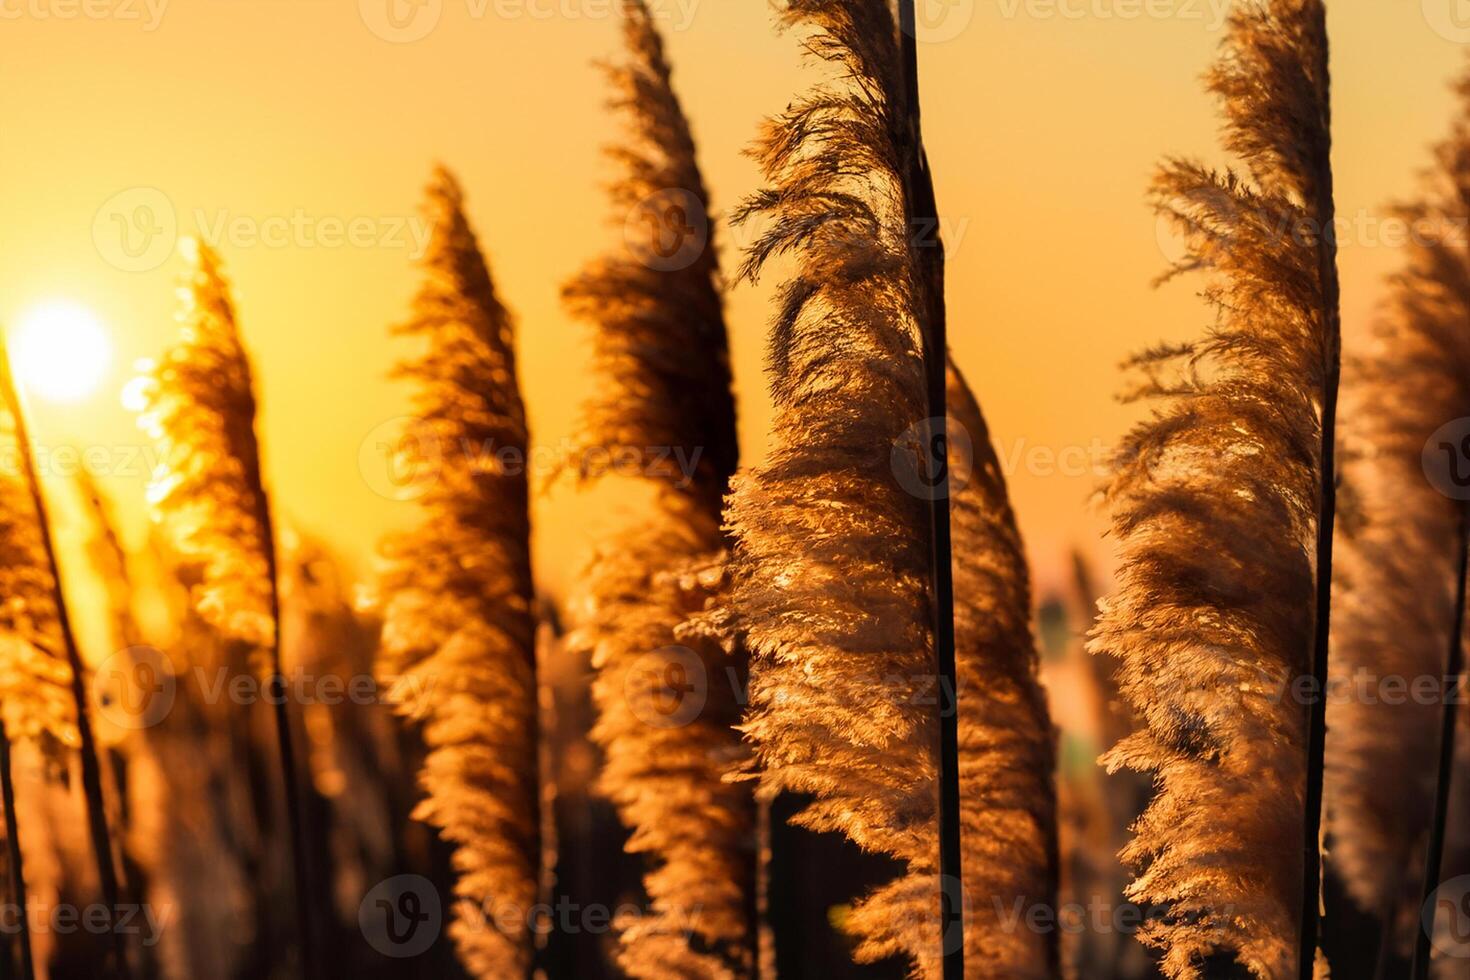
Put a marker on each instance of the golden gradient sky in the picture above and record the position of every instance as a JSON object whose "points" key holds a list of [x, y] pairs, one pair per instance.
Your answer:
{"points": [[1044, 121]]}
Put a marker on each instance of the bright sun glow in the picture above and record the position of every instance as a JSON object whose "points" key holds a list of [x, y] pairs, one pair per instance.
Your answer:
{"points": [[60, 351]]}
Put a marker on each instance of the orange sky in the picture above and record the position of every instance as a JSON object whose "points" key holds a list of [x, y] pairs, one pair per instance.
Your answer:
{"points": [[280, 124]]}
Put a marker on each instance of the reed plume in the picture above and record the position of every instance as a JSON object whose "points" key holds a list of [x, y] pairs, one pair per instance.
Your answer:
{"points": [[830, 570], [458, 622], [1223, 506], [36, 696], [44, 693], [663, 398], [1399, 577], [1007, 748], [198, 404], [208, 496]]}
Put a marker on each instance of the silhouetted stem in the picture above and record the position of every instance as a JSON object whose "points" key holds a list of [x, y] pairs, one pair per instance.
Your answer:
{"points": [[1325, 209], [1455, 666], [13, 857], [91, 767], [300, 872], [924, 213]]}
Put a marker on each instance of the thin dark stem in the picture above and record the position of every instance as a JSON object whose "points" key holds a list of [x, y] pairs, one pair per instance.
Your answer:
{"points": [[1326, 521], [91, 766], [300, 872], [1386, 937], [1455, 666], [765, 958], [13, 857], [923, 213]]}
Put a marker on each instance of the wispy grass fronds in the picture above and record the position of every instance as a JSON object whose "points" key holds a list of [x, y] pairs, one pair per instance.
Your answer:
{"points": [[1007, 744], [667, 706], [36, 673], [1399, 575], [1222, 504], [830, 569], [199, 406], [660, 358], [458, 624], [659, 349], [208, 495], [41, 646]]}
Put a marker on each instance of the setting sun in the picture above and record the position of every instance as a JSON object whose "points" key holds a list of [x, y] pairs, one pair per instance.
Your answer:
{"points": [[61, 351]]}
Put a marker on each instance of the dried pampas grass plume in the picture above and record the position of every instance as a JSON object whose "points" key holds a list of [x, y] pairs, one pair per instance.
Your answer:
{"points": [[1007, 745], [830, 570], [1398, 575], [660, 354], [1222, 503], [456, 591]]}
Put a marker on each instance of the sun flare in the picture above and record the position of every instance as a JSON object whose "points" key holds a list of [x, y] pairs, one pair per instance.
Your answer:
{"points": [[60, 351]]}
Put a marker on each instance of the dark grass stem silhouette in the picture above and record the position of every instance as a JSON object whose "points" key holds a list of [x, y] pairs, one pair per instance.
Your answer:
{"points": [[48, 575], [924, 213], [14, 864]]}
